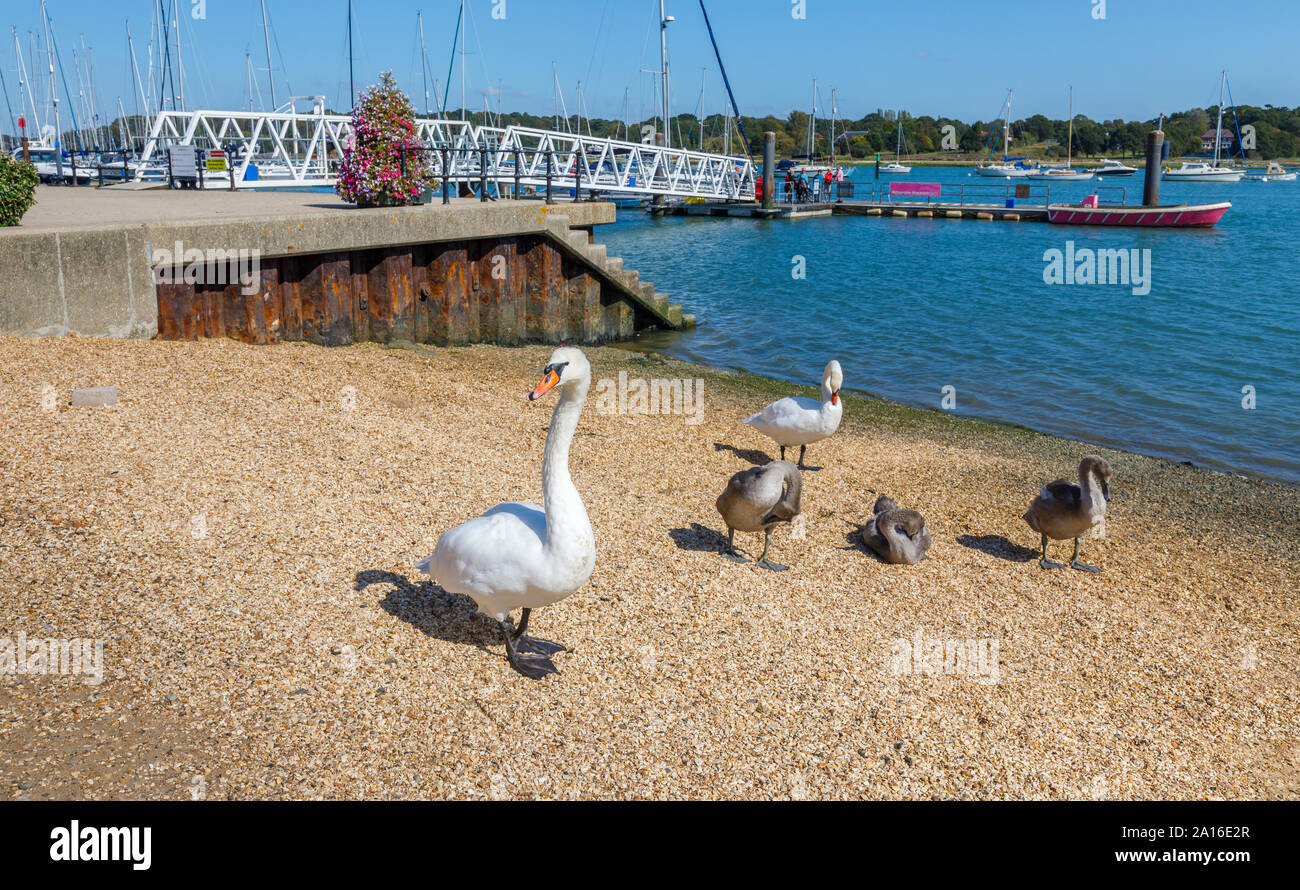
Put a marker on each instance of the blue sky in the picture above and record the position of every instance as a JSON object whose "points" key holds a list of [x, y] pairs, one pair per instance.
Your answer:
{"points": [[953, 57]]}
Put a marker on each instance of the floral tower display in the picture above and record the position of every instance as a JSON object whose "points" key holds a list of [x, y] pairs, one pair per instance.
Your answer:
{"points": [[383, 130]]}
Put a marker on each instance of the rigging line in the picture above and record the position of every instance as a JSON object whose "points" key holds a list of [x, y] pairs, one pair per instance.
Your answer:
{"points": [[275, 37], [1235, 123], [204, 83], [76, 130], [740, 124], [600, 28], [482, 60], [13, 122], [451, 65]]}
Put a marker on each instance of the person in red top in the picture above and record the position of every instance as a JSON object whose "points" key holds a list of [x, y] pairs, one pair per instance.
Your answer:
{"points": [[828, 177]]}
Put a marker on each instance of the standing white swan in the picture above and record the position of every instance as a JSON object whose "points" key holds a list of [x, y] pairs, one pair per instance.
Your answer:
{"points": [[522, 556], [801, 421]]}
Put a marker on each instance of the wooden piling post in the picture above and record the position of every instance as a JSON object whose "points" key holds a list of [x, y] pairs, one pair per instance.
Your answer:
{"points": [[1151, 187], [769, 169]]}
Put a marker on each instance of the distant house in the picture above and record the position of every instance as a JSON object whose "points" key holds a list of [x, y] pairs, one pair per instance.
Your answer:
{"points": [[1226, 140]]}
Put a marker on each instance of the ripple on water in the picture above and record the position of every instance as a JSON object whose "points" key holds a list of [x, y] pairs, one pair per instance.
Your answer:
{"points": [[909, 306]]}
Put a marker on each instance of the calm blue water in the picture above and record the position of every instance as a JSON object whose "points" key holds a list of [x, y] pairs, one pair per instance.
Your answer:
{"points": [[909, 306]]}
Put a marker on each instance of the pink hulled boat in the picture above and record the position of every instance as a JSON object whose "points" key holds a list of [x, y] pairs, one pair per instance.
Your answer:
{"points": [[1093, 213]]}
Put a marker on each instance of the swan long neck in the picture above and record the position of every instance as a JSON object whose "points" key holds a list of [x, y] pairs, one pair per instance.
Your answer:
{"points": [[827, 392], [564, 510], [1093, 499]]}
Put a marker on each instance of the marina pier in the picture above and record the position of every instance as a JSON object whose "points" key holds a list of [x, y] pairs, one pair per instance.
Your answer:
{"points": [[98, 263]]}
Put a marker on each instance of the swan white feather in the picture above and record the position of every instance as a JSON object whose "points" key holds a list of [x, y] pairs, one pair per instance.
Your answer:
{"points": [[797, 420], [519, 555]]}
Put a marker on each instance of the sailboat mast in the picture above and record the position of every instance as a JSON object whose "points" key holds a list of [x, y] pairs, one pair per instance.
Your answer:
{"points": [[180, 66], [22, 81], [832, 128], [135, 68], [1218, 126], [812, 125], [54, 89], [1069, 140], [704, 76], [462, 59], [663, 57], [270, 70], [352, 85], [1006, 128], [424, 66]]}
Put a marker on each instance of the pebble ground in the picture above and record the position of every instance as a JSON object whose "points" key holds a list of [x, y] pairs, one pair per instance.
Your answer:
{"points": [[241, 532]]}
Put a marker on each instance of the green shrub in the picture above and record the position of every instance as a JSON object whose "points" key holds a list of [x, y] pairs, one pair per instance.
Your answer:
{"points": [[18, 181]]}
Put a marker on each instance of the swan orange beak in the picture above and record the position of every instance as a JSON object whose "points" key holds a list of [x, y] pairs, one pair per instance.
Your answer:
{"points": [[548, 381], [835, 397]]}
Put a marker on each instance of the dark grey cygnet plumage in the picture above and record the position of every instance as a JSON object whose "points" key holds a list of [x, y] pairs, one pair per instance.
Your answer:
{"points": [[898, 536]]}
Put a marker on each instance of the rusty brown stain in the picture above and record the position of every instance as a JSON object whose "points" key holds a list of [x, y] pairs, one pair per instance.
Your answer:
{"points": [[441, 293]]}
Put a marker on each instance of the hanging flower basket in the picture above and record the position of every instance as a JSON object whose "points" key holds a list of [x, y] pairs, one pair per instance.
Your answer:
{"points": [[383, 132]]}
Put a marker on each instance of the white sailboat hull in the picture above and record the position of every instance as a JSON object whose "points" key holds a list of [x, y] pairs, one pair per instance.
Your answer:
{"points": [[999, 171], [1062, 176]]}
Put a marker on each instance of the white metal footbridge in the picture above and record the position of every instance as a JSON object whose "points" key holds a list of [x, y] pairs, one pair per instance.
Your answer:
{"points": [[300, 149]]}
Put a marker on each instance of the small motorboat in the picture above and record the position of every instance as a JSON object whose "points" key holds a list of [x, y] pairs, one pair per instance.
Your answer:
{"points": [[1114, 168], [1200, 172], [1274, 172], [1091, 212]]}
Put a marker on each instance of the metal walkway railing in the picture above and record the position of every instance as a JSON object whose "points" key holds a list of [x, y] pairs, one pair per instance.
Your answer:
{"points": [[295, 149]]}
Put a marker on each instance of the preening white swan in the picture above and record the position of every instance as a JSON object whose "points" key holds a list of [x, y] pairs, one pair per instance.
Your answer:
{"points": [[522, 556], [801, 421]]}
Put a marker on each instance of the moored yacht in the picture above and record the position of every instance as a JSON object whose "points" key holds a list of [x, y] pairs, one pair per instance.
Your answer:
{"points": [[1114, 168], [1199, 171]]}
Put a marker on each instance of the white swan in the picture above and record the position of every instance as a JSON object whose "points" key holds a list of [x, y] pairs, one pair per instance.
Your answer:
{"points": [[522, 556], [801, 421]]}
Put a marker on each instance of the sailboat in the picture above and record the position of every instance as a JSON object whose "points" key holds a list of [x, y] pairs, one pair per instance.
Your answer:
{"points": [[1005, 170], [811, 168], [1201, 172], [1066, 173], [896, 166]]}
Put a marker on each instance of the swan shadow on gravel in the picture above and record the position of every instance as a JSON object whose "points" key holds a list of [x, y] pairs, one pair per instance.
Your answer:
{"points": [[753, 455], [999, 546], [699, 538], [432, 610]]}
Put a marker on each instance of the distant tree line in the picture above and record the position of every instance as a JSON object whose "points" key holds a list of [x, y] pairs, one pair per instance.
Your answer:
{"points": [[1276, 129]]}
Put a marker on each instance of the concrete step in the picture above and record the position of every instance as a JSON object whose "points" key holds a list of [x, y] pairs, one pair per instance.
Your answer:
{"points": [[596, 253], [674, 315], [614, 265]]}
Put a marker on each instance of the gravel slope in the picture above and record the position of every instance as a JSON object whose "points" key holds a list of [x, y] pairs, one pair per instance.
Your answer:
{"points": [[285, 646]]}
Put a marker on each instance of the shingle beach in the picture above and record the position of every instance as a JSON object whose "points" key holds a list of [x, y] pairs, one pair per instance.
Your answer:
{"points": [[241, 530]]}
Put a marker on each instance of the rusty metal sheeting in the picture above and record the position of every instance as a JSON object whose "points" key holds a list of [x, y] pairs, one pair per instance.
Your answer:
{"points": [[506, 290]]}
